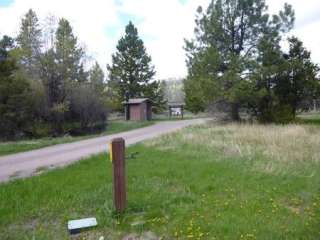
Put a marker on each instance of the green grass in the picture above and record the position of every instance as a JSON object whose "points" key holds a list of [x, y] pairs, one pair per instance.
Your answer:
{"points": [[244, 183], [26, 145], [311, 119]]}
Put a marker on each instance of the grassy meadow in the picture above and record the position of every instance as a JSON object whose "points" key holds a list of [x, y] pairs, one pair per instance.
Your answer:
{"points": [[31, 144], [311, 118], [230, 181]]}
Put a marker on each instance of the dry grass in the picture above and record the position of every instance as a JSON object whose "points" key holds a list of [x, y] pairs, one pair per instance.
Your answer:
{"points": [[270, 148]]}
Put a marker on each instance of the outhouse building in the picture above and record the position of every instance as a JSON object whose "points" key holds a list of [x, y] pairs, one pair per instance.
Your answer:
{"points": [[138, 109]]}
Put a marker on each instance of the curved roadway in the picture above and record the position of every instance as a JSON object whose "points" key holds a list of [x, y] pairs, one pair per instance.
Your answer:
{"points": [[28, 163]]}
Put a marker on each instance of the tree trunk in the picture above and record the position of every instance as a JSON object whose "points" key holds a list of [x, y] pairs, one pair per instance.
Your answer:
{"points": [[235, 112]]}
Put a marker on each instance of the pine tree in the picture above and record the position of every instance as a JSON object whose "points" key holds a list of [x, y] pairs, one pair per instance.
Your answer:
{"points": [[281, 81], [131, 70], [15, 109], [68, 54], [300, 82], [29, 41], [266, 74], [53, 82], [225, 44], [96, 76]]}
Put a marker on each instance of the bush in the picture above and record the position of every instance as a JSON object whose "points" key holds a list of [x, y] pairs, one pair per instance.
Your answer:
{"points": [[39, 130], [15, 108], [278, 114], [87, 107]]}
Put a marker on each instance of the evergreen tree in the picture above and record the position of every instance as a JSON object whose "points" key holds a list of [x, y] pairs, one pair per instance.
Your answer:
{"points": [[44, 87], [54, 83], [266, 74], [83, 75], [29, 41], [226, 39], [15, 113], [5, 43], [281, 82], [62, 69], [68, 54], [96, 76], [131, 70], [300, 82]]}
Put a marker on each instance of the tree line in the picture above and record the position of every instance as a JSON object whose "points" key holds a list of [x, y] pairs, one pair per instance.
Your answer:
{"points": [[235, 60], [46, 88]]}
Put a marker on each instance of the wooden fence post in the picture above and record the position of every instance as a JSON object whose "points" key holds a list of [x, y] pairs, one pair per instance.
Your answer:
{"points": [[117, 155]]}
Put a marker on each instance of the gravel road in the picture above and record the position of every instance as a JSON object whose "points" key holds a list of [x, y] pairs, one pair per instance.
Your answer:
{"points": [[28, 163]]}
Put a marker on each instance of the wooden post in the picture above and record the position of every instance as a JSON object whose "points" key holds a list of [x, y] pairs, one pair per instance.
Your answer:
{"points": [[182, 111], [117, 153]]}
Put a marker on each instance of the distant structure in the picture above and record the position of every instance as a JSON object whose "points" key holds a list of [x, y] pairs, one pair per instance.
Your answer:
{"points": [[138, 109], [176, 109]]}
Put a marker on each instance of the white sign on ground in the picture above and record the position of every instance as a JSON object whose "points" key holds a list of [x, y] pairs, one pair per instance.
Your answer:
{"points": [[74, 226]]}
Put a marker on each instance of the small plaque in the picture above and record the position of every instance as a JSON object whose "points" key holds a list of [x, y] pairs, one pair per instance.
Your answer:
{"points": [[75, 226]]}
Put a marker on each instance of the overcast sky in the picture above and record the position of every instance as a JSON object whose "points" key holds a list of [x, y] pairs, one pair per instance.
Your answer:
{"points": [[162, 24]]}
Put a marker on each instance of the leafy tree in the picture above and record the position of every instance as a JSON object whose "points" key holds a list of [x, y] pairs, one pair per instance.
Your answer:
{"points": [[131, 70], [29, 41], [225, 44]]}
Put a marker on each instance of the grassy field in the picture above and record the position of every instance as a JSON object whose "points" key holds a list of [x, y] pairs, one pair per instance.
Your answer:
{"points": [[205, 182], [311, 118], [20, 146]]}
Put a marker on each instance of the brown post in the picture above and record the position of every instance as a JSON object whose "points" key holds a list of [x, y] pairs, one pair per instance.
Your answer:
{"points": [[119, 177], [182, 111]]}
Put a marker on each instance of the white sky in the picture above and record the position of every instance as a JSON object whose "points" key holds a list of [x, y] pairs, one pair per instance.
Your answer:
{"points": [[163, 24]]}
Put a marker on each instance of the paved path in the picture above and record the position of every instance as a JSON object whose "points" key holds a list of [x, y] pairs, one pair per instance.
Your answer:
{"points": [[27, 163]]}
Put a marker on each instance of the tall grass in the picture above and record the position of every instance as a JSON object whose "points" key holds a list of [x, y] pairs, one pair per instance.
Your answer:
{"points": [[269, 148]]}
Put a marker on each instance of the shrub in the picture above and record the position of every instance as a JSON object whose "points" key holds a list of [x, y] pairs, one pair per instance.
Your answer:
{"points": [[278, 114], [87, 107]]}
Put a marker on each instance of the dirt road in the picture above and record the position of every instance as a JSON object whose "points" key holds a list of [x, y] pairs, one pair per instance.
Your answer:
{"points": [[27, 163]]}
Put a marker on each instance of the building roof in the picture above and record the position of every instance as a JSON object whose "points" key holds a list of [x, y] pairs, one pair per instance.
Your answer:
{"points": [[136, 100]]}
